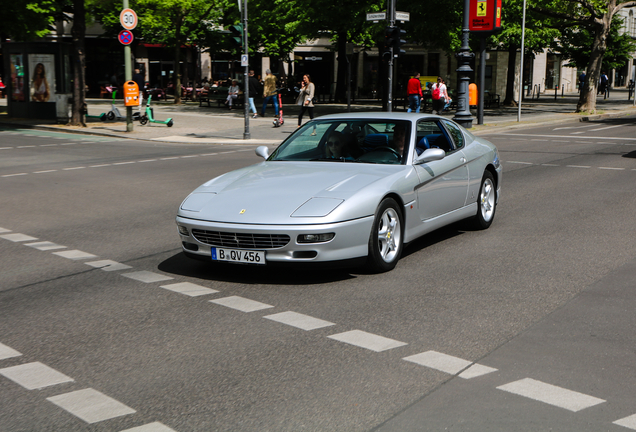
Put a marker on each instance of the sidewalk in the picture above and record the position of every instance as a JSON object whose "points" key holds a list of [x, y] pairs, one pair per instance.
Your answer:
{"points": [[194, 124]]}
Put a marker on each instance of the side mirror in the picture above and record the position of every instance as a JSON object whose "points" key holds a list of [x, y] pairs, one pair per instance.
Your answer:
{"points": [[262, 151], [429, 155]]}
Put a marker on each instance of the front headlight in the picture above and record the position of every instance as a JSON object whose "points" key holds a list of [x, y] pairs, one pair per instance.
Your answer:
{"points": [[315, 238]]}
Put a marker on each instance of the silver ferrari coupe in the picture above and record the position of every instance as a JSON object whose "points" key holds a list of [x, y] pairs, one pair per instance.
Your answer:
{"points": [[352, 188]]}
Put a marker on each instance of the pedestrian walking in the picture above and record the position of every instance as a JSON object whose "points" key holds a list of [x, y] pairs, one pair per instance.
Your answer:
{"points": [[254, 89], [305, 98], [438, 90], [447, 98], [581, 81], [414, 93], [269, 92]]}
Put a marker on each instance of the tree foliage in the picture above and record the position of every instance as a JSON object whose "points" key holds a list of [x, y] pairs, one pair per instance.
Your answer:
{"points": [[575, 44], [26, 20], [597, 17]]}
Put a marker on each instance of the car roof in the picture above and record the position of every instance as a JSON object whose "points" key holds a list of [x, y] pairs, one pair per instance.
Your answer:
{"points": [[380, 116]]}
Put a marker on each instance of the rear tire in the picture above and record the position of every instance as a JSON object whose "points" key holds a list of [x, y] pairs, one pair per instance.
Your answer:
{"points": [[386, 240], [486, 202], [170, 123]]}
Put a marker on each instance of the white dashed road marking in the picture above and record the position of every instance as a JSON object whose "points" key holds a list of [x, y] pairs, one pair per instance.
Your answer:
{"points": [[34, 375], [17, 237], [75, 254], [475, 371], [108, 265], [242, 304], [45, 246], [628, 422], [552, 395], [8, 352], [147, 276], [366, 340], [189, 289], [449, 364], [294, 319], [150, 427], [90, 405]]}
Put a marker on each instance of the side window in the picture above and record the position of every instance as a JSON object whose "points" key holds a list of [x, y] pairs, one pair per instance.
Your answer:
{"points": [[431, 135], [455, 133]]}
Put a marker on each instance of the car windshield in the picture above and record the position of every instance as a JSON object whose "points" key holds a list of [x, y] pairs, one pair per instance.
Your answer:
{"points": [[357, 141]]}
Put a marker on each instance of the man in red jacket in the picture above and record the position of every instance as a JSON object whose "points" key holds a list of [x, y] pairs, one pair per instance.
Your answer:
{"points": [[414, 93]]}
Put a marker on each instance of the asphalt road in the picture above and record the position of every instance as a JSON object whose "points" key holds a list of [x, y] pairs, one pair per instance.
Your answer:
{"points": [[525, 326]]}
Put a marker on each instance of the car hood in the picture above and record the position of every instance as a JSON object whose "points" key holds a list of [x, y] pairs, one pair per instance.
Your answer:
{"points": [[281, 192]]}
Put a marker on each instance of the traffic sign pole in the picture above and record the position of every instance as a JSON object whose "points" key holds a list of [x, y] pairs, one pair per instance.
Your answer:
{"points": [[127, 75]]}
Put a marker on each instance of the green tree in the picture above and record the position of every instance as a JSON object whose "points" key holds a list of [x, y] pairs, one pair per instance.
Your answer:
{"points": [[597, 16], [575, 45], [26, 20], [173, 23], [345, 22], [538, 35]]}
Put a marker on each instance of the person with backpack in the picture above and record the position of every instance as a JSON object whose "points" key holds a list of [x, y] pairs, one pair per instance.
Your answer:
{"points": [[438, 92]]}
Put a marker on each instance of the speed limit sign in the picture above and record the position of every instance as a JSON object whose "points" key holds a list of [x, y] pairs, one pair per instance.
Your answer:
{"points": [[128, 19]]}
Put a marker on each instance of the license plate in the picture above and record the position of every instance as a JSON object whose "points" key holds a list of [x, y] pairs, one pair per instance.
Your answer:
{"points": [[238, 256]]}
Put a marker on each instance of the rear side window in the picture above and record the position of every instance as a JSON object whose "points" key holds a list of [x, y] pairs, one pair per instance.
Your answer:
{"points": [[455, 133]]}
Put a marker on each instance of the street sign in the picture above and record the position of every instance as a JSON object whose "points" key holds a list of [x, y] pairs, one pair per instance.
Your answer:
{"points": [[484, 16], [376, 16], [244, 60], [128, 19], [402, 16], [125, 37]]}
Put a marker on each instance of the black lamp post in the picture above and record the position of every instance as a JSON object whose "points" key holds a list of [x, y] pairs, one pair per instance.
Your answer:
{"points": [[464, 56]]}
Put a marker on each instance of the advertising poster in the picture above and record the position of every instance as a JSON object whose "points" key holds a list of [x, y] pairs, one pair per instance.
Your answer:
{"points": [[42, 77], [17, 78]]}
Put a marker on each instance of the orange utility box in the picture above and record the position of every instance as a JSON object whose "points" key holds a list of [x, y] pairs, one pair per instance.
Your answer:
{"points": [[472, 94], [131, 93]]}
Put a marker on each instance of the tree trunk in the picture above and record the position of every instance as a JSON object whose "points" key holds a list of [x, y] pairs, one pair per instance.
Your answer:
{"points": [[177, 74], [512, 73], [79, 62], [587, 100], [341, 82]]}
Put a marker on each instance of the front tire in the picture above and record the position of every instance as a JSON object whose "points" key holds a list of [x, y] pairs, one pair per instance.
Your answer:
{"points": [[486, 202], [386, 240], [143, 119]]}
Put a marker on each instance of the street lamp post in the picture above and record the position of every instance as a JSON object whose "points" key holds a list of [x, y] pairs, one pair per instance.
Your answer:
{"points": [[464, 56]]}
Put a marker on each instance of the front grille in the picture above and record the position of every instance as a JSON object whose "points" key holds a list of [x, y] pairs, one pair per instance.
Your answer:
{"points": [[240, 240]]}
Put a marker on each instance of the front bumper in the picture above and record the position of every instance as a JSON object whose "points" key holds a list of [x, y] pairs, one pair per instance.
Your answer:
{"points": [[351, 239]]}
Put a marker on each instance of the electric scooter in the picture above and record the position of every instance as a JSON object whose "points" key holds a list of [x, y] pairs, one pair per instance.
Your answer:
{"points": [[148, 116], [279, 120], [114, 111], [102, 116]]}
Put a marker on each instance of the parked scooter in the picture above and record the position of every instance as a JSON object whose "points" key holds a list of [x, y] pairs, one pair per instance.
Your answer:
{"points": [[148, 116], [114, 111]]}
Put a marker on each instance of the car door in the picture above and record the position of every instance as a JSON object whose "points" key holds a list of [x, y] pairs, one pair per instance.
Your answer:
{"points": [[443, 184]]}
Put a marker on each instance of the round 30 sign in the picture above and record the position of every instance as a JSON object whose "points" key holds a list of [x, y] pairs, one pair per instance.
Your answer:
{"points": [[125, 37], [128, 19]]}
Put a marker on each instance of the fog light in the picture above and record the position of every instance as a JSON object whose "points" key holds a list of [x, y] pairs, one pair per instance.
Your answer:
{"points": [[315, 238], [183, 230]]}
